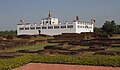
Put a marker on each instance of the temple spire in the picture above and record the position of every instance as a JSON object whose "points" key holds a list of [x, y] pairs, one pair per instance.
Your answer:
{"points": [[49, 14]]}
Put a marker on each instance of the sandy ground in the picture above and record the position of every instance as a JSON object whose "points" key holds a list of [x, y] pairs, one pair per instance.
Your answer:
{"points": [[41, 66]]}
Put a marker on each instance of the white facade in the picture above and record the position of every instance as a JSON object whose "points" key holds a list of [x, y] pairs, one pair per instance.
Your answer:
{"points": [[51, 26]]}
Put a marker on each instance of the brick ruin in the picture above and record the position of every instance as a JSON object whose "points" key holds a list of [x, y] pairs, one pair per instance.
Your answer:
{"points": [[97, 43], [9, 44], [9, 55], [78, 37]]}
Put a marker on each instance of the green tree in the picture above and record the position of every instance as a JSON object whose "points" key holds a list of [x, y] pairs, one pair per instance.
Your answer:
{"points": [[98, 30], [110, 27], [8, 33], [118, 28]]}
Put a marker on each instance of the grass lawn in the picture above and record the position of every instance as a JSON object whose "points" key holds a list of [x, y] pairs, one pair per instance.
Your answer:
{"points": [[114, 49], [114, 37], [80, 47], [34, 47]]}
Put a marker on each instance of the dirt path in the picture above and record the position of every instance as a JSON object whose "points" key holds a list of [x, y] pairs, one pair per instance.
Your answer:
{"points": [[40, 66]]}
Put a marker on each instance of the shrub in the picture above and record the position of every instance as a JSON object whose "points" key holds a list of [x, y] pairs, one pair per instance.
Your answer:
{"points": [[8, 64], [97, 60]]}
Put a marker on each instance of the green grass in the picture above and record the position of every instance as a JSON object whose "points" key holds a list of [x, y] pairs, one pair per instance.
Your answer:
{"points": [[114, 37], [80, 47], [114, 49], [34, 47], [115, 44], [84, 47]]}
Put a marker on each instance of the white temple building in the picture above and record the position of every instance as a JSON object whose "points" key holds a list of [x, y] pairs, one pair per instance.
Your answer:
{"points": [[52, 26]]}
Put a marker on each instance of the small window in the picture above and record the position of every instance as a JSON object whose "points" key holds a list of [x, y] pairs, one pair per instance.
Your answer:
{"points": [[82, 26], [46, 21], [50, 27], [44, 27], [21, 28], [50, 22], [32, 28], [89, 27], [27, 28], [63, 26], [86, 26], [38, 27], [43, 22], [56, 27], [70, 26]]}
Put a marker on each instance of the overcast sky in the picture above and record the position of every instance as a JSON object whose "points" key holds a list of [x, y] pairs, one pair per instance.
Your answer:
{"points": [[11, 11]]}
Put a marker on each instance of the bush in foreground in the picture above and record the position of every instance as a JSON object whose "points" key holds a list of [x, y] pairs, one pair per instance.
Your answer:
{"points": [[8, 64]]}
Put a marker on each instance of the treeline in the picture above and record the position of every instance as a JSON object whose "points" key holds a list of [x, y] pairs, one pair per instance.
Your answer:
{"points": [[109, 27], [8, 33]]}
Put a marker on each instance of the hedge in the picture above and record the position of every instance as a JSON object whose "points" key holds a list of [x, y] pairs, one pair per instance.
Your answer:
{"points": [[8, 64]]}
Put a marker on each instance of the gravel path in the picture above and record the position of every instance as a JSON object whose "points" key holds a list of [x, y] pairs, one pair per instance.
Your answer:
{"points": [[40, 66]]}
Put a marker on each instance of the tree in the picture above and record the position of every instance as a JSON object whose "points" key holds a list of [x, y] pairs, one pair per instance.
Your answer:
{"points": [[110, 27], [8, 33], [118, 27], [98, 30]]}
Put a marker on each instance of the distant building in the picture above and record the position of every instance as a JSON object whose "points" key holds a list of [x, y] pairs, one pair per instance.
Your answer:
{"points": [[52, 26]]}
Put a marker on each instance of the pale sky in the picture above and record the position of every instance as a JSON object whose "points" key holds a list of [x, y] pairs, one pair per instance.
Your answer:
{"points": [[11, 11]]}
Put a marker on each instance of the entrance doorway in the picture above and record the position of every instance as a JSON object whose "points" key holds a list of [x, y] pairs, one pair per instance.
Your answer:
{"points": [[39, 31]]}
